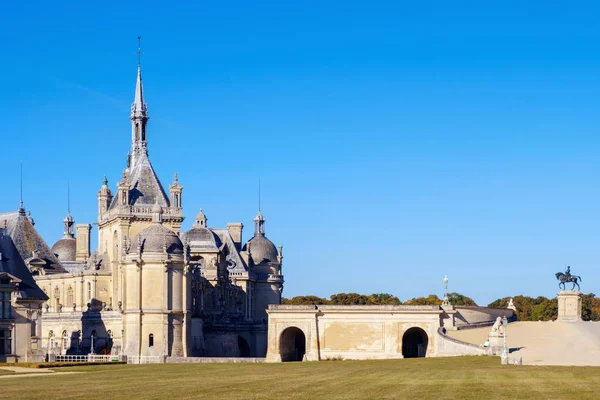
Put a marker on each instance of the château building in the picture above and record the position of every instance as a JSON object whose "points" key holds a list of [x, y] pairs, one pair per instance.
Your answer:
{"points": [[149, 289]]}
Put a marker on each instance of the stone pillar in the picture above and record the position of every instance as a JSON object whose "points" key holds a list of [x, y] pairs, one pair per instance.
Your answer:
{"points": [[569, 305], [82, 246]]}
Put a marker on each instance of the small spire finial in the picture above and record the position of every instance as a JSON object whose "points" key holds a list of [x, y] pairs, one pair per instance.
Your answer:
{"points": [[139, 52], [21, 198], [175, 179], [105, 181]]}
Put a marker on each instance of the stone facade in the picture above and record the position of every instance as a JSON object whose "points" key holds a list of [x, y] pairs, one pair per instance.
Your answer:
{"points": [[324, 332], [149, 289], [20, 305]]}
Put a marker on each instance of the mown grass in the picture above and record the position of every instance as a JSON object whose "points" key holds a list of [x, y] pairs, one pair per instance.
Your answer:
{"points": [[436, 378]]}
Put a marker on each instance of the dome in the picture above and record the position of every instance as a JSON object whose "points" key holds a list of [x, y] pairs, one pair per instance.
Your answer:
{"points": [[262, 249], [200, 236], [65, 248], [155, 238]]}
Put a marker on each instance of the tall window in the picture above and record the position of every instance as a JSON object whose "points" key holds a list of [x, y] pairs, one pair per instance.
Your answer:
{"points": [[70, 297], [89, 291], [5, 341], [65, 342], [151, 340], [5, 305]]}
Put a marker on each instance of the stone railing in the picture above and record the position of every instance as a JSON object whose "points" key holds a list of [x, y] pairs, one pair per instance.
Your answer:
{"points": [[145, 210], [447, 346]]}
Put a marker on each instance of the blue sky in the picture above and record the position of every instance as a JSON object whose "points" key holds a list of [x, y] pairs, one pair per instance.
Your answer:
{"points": [[395, 143]]}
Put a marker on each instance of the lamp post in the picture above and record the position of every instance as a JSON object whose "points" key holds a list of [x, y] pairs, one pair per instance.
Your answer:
{"points": [[92, 346], [504, 356], [446, 301]]}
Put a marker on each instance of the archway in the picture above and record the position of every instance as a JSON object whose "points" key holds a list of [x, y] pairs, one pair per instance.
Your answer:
{"points": [[244, 347], [292, 345], [414, 343]]}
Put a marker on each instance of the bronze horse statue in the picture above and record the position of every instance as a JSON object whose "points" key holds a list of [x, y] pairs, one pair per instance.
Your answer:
{"points": [[564, 278]]}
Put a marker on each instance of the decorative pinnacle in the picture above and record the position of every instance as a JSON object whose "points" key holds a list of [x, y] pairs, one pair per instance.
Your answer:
{"points": [[105, 181], [139, 52]]}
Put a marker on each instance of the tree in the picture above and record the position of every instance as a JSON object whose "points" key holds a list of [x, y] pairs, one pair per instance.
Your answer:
{"points": [[383, 299], [348, 299], [547, 310], [457, 299], [304, 300], [590, 307], [431, 300]]}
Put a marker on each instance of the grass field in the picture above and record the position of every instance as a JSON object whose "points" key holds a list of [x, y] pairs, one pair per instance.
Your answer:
{"points": [[435, 378]]}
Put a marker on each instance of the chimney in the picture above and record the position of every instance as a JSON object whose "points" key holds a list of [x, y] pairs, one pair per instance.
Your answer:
{"points": [[83, 242], [235, 230]]}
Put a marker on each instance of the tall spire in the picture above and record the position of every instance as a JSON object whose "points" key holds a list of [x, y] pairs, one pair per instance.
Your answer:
{"points": [[139, 116], [68, 221], [21, 208]]}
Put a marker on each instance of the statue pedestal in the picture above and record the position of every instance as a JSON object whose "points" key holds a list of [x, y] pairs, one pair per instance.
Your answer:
{"points": [[569, 305], [496, 340]]}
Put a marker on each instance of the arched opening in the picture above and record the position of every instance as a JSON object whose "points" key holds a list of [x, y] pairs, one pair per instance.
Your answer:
{"points": [[151, 340], [292, 345], [414, 343], [244, 347]]}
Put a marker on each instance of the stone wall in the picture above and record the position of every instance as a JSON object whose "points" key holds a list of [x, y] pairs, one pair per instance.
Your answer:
{"points": [[447, 346], [478, 316], [351, 332]]}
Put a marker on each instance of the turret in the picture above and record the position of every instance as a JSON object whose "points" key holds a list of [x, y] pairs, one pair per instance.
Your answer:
{"points": [[104, 198], [175, 191]]}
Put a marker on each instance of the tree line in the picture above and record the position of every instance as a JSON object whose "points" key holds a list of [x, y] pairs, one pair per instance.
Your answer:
{"points": [[528, 308]]}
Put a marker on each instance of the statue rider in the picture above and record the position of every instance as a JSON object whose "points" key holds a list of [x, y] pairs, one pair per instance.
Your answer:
{"points": [[568, 271]]}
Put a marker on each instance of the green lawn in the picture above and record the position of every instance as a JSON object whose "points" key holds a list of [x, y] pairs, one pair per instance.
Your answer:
{"points": [[435, 378]]}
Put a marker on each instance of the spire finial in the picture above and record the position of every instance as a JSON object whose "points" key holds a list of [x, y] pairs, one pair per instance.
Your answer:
{"points": [[21, 209], [139, 52]]}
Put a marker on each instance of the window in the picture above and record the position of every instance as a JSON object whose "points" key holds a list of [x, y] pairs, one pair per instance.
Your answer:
{"points": [[89, 291], [5, 308], [5, 341], [65, 342], [151, 340], [70, 297]]}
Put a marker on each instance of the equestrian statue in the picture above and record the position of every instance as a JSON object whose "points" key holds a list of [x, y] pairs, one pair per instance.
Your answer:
{"points": [[567, 277]]}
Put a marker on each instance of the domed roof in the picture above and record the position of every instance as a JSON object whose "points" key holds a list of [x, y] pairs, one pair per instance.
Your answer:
{"points": [[200, 236], [65, 248], [155, 238], [262, 249]]}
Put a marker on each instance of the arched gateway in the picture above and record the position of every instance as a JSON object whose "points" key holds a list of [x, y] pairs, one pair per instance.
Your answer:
{"points": [[414, 343], [292, 345]]}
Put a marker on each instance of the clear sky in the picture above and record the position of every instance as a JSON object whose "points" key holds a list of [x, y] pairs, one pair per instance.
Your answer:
{"points": [[395, 143]]}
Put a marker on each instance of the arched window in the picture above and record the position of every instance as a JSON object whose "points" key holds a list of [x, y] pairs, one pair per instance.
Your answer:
{"points": [[69, 296], [151, 340]]}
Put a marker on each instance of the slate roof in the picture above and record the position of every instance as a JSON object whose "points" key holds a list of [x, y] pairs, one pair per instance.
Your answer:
{"points": [[12, 263], [146, 188], [26, 239]]}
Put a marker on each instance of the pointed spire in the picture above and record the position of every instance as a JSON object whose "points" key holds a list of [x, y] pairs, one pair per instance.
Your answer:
{"points": [[68, 222], [138, 102], [139, 118], [21, 208]]}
